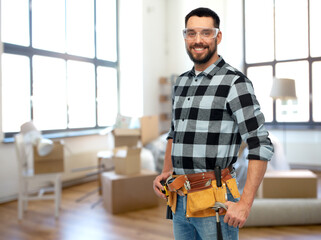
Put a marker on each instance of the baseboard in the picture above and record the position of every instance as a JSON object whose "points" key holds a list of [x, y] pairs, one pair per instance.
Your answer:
{"points": [[73, 182], [305, 166], [8, 198]]}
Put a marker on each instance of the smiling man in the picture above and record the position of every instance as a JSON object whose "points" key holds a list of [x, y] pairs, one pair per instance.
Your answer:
{"points": [[214, 110]]}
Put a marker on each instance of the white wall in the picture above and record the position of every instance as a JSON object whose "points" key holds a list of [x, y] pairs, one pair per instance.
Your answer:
{"points": [[154, 52], [302, 147], [142, 55], [130, 57], [1, 50]]}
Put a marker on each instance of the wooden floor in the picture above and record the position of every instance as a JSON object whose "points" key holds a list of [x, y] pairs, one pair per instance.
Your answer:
{"points": [[87, 219]]}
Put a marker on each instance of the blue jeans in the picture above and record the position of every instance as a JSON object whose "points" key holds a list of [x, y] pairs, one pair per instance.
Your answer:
{"points": [[200, 228]]}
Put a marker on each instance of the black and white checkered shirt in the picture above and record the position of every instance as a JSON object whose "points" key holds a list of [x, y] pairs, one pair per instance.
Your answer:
{"points": [[212, 113]]}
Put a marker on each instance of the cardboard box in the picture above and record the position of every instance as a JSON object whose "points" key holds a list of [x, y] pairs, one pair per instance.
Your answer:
{"points": [[51, 163], [127, 193], [127, 160], [289, 184], [149, 131], [149, 128], [126, 137]]}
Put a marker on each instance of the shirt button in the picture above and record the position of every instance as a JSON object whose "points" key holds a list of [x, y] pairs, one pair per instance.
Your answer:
{"points": [[183, 119], [188, 99], [195, 80]]}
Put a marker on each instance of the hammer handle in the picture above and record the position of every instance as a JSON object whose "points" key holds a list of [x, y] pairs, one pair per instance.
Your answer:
{"points": [[218, 176]]}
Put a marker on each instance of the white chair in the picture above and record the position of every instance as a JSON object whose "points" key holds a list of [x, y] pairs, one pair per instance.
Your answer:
{"points": [[28, 178]]}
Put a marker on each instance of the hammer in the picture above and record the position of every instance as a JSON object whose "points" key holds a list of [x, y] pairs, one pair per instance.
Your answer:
{"points": [[217, 207]]}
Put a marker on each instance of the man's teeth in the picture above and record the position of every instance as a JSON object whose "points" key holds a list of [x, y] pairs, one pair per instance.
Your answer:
{"points": [[199, 49]]}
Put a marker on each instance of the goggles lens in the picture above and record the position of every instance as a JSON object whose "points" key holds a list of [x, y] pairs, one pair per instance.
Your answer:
{"points": [[205, 33]]}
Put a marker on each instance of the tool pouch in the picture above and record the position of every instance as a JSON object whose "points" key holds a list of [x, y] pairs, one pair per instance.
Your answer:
{"points": [[219, 192], [200, 200], [232, 186], [171, 201]]}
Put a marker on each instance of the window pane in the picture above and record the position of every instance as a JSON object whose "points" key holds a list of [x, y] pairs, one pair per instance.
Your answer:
{"points": [[262, 78], [259, 33], [80, 27], [315, 20], [294, 110], [291, 29], [48, 25], [316, 86], [15, 100], [81, 94], [15, 22], [49, 93], [107, 96], [106, 30]]}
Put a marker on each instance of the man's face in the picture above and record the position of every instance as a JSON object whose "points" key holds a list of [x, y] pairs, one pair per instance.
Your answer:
{"points": [[202, 51]]}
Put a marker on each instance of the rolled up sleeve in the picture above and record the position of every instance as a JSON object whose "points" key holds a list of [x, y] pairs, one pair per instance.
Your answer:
{"points": [[245, 110]]}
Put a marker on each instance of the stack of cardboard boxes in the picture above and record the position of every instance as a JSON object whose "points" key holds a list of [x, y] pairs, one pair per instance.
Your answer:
{"points": [[129, 187], [126, 152]]}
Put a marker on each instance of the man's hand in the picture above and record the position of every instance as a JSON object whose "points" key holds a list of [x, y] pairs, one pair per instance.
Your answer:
{"points": [[157, 186], [236, 214]]}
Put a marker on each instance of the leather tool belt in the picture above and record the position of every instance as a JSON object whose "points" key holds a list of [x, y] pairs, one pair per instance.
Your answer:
{"points": [[201, 190]]}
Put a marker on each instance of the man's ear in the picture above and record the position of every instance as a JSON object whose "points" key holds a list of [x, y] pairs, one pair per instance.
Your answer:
{"points": [[219, 37]]}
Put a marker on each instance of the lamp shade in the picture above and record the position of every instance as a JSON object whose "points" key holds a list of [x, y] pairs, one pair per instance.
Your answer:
{"points": [[27, 127], [30, 132], [283, 88], [44, 146], [33, 136]]}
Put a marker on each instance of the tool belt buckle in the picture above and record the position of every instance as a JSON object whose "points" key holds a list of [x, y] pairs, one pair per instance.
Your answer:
{"points": [[187, 185]]}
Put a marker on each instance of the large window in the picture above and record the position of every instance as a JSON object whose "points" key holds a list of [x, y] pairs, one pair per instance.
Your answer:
{"points": [[59, 64], [282, 40]]}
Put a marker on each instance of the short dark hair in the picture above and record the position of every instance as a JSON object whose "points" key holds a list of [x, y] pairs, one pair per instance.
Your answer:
{"points": [[204, 12]]}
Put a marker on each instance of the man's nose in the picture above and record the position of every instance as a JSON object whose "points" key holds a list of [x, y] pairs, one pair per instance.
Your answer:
{"points": [[198, 37]]}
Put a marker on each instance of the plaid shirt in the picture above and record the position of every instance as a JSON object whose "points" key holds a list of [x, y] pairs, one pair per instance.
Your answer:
{"points": [[212, 113]]}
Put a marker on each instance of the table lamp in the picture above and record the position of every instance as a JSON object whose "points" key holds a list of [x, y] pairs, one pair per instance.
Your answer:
{"points": [[283, 88]]}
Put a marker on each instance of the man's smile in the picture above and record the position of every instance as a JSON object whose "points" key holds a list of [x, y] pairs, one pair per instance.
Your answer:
{"points": [[199, 49]]}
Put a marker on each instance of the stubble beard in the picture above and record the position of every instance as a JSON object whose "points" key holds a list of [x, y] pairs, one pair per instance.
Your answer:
{"points": [[204, 59]]}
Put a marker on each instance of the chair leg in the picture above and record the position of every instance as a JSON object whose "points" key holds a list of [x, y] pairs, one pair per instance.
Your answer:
{"points": [[20, 206], [57, 196], [21, 191], [25, 193]]}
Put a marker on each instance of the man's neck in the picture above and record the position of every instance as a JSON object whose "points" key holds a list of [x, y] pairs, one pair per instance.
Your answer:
{"points": [[202, 67]]}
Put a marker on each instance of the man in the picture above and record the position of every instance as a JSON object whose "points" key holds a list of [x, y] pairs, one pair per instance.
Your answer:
{"points": [[214, 109]]}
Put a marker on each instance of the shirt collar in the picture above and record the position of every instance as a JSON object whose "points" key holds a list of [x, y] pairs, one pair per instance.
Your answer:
{"points": [[211, 70]]}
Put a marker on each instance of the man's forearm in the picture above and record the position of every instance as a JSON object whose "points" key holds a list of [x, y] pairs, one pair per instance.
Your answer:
{"points": [[167, 170], [255, 174], [168, 166]]}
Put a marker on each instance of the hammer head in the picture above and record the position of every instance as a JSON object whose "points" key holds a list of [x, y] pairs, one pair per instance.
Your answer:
{"points": [[219, 205]]}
